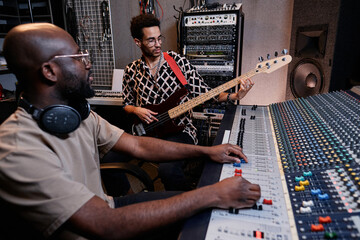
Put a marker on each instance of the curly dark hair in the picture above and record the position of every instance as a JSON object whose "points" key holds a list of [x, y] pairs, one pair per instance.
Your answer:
{"points": [[142, 21]]}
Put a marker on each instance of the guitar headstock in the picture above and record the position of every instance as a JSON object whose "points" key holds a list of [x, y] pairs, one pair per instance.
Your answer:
{"points": [[273, 64]]}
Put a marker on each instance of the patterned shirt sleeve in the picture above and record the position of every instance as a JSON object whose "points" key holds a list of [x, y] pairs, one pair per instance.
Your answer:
{"points": [[129, 84]]}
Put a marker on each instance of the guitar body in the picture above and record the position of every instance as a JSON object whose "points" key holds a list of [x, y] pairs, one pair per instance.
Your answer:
{"points": [[165, 126]]}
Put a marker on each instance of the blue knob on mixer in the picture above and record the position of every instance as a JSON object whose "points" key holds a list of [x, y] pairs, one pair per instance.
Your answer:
{"points": [[324, 196]]}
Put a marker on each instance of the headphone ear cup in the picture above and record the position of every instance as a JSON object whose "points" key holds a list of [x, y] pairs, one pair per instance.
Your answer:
{"points": [[83, 107], [59, 119]]}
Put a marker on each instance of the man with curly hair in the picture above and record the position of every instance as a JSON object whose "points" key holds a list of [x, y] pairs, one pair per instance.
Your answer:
{"points": [[150, 80]]}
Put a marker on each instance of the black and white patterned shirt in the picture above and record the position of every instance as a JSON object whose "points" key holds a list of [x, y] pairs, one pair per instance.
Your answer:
{"points": [[140, 87]]}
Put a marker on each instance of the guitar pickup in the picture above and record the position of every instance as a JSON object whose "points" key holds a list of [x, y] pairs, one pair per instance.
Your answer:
{"points": [[139, 128]]}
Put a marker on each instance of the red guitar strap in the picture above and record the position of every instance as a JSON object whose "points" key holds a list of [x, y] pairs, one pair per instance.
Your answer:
{"points": [[175, 68]]}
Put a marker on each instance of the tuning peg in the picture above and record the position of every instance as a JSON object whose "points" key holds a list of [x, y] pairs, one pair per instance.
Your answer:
{"points": [[284, 51], [268, 56], [276, 54], [261, 59]]}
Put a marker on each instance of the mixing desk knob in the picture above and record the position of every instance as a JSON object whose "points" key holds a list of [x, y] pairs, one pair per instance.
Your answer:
{"points": [[350, 199], [345, 194], [351, 187], [305, 210], [326, 219], [341, 188], [317, 228], [336, 178], [324, 196], [237, 164], [330, 235], [304, 183], [309, 203], [355, 195], [353, 205], [298, 179], [258, 234], [267, 201], [238, 170], [315, 191]]}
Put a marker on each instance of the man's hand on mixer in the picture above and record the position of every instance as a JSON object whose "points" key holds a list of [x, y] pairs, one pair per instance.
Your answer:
{"points": [[226, 153], [236, 192]]}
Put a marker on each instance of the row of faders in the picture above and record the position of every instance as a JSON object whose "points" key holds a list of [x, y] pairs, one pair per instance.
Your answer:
{"points": [[269, 218], [318, 143]]}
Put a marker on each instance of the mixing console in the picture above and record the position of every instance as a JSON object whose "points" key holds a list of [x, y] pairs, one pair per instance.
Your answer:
{"points": [[305, 155]]}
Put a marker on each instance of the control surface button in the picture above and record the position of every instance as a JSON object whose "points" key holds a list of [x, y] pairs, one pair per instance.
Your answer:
{"points": [[267, 201], [326, 219], [317, 228]]}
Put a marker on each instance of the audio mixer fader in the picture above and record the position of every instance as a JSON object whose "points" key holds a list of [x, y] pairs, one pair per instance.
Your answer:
{"points": [[305, 155]]}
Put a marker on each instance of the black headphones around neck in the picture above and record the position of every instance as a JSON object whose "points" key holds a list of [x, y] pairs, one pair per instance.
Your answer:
{"points": [[58, 119]]}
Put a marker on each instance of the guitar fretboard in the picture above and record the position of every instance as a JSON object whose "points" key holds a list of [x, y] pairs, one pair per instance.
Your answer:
{"points": [[182, 108], [267, 67]]}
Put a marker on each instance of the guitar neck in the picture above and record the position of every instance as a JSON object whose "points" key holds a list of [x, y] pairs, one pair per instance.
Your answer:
{"points": [[265, 67], [182, 108]]}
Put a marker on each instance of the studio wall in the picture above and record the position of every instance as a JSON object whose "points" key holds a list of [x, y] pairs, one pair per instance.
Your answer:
{"points": [[267, 28]]}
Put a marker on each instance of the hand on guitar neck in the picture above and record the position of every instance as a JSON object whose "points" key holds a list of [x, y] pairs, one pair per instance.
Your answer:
{"points": [[244, 87]]}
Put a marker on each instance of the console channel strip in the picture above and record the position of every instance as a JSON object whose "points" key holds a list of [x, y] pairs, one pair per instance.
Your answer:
{"points": [[305, 155], [269, 218]]}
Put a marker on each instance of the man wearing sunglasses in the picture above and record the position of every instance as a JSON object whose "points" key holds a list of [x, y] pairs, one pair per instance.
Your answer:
{"points": [[49, 172], [151, 80]]}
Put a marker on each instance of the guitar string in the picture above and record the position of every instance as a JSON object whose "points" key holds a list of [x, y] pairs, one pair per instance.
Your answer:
{"points": [[162, 118], [200, 99], [165, 117], [223, 87]]}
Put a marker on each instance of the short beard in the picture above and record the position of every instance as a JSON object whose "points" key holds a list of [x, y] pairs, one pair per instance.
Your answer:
{"points": [[83, 91], [148, 53]]}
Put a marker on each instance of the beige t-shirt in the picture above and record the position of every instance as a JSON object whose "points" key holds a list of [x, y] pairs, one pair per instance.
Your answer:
{"points": [[44, 178]]}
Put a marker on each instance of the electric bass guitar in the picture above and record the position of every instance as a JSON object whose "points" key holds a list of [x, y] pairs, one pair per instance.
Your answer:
{"points": [[170, 109]]}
